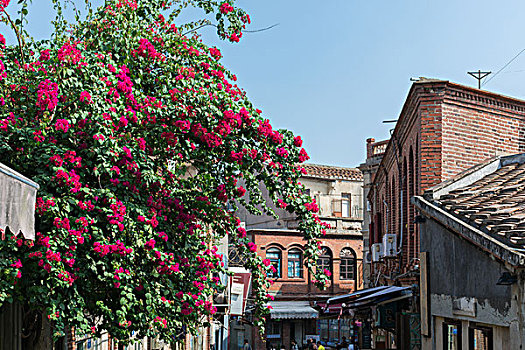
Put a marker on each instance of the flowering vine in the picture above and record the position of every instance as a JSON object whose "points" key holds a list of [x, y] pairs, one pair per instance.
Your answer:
{"points": [[141, 142]]}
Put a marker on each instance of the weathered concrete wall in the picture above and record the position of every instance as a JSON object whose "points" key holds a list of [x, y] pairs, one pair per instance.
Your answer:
{"points": [[459, 269], [501, 337], [324, 191], [368, 169], [461, 273]]}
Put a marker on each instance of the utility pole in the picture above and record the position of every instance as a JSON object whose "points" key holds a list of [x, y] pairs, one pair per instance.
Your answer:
{"points": [[479, 75]]}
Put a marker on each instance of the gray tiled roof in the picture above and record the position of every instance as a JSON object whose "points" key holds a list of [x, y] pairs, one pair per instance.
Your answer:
{"points": [[333, 172], [495, 203]]}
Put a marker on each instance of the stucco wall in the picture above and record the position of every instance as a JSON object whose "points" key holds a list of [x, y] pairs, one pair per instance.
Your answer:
{"points": [[458, 268], [461, 272], [324, 191]]}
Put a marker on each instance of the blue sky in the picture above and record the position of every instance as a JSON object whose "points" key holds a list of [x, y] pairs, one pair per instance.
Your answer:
{"points": [[332, 71]]}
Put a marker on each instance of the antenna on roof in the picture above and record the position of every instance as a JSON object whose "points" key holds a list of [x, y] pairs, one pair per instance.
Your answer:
{"points": [[479, 75]]}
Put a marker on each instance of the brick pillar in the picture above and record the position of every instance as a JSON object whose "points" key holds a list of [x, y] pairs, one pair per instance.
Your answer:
{"points": [[369, 143]]}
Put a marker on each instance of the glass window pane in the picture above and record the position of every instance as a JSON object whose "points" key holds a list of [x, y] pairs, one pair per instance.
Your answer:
{"points": [[334, 330], [347, 269], [294, 264], [274, 255]]}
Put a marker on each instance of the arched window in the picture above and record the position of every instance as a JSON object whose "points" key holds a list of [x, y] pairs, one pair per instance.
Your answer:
{"points": [[295, 264], [325, 260], [274, 255], [347, 268]]}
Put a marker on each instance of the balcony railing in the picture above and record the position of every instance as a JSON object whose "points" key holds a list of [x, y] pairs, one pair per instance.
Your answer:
{"points": [[379, 148]]}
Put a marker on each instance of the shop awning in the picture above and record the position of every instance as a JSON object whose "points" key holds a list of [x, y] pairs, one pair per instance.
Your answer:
{"points": [[17, 202], [341, 299], [292, 310], [384, 296]]}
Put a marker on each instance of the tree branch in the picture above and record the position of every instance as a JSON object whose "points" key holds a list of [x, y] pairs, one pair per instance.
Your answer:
{"points": [[19, 38]]}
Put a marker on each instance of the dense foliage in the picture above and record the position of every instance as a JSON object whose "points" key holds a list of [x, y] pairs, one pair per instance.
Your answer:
{"points": [[140, 141]]}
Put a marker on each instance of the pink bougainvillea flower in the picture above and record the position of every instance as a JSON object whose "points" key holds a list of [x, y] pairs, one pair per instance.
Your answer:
{"points": [[85, 97], [4, 4], [47, 95], [143, 148]]}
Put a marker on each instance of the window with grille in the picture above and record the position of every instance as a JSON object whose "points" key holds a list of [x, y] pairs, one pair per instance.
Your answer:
{"points": [[274, 255], [337, 208], [347, 267], [274, 329], [325, 260], [295, 266]]}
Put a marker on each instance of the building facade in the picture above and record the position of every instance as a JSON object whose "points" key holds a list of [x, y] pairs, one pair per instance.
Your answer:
{"points": [[17, 217], [443, 128], [374, 154], [472, 231], [338, 193]]}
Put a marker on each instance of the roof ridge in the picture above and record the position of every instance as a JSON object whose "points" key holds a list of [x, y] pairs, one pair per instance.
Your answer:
{"points": [[332, 172], [329, 166]]}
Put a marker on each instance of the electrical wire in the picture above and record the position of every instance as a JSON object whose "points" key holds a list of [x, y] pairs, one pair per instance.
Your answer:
{"points": [[502, 68], [244, 31], [262, 29]]}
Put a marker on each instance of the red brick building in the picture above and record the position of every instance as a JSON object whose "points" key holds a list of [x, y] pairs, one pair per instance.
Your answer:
{"points": [[341, 258], [293, 282], [338, 193], [443, 129]]}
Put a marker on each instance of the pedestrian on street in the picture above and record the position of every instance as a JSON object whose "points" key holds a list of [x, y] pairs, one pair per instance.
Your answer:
{"points": [[343, 345], [246, 345], [294, 345], [320, 346]]}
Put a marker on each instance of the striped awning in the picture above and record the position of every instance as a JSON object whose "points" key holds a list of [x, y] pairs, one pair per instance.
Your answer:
{"points": [[292, 310]]}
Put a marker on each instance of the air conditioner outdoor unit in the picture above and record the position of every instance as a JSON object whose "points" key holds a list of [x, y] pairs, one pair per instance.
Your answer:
{"points": [[377, 252], [368, 257], [389, 245]]}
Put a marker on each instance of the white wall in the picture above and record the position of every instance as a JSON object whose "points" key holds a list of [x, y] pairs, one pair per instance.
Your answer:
{"points": [[325, 191]]}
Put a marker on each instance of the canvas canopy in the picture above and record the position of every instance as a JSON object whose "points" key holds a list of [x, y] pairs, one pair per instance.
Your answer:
{"points": [[292, 310], [17, 202]]}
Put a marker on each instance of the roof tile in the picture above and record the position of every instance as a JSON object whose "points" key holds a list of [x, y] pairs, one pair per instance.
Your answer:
{"points": [[333, 172], [494, 203]]}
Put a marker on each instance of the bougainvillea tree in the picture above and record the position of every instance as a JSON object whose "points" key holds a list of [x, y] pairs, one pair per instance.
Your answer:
{"points": [[140, 141]]}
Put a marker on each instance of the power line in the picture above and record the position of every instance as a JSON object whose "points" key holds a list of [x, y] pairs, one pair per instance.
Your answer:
{"points": [[244, 31], [502, 68], [262, 29]]}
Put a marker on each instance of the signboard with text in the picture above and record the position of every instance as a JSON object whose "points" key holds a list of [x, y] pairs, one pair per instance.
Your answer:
{"points": [[239, 290]]}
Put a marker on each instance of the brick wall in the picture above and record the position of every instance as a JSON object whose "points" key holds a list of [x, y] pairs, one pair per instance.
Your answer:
{"points": [[301, 288], [479, 127], [443, 129]]}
